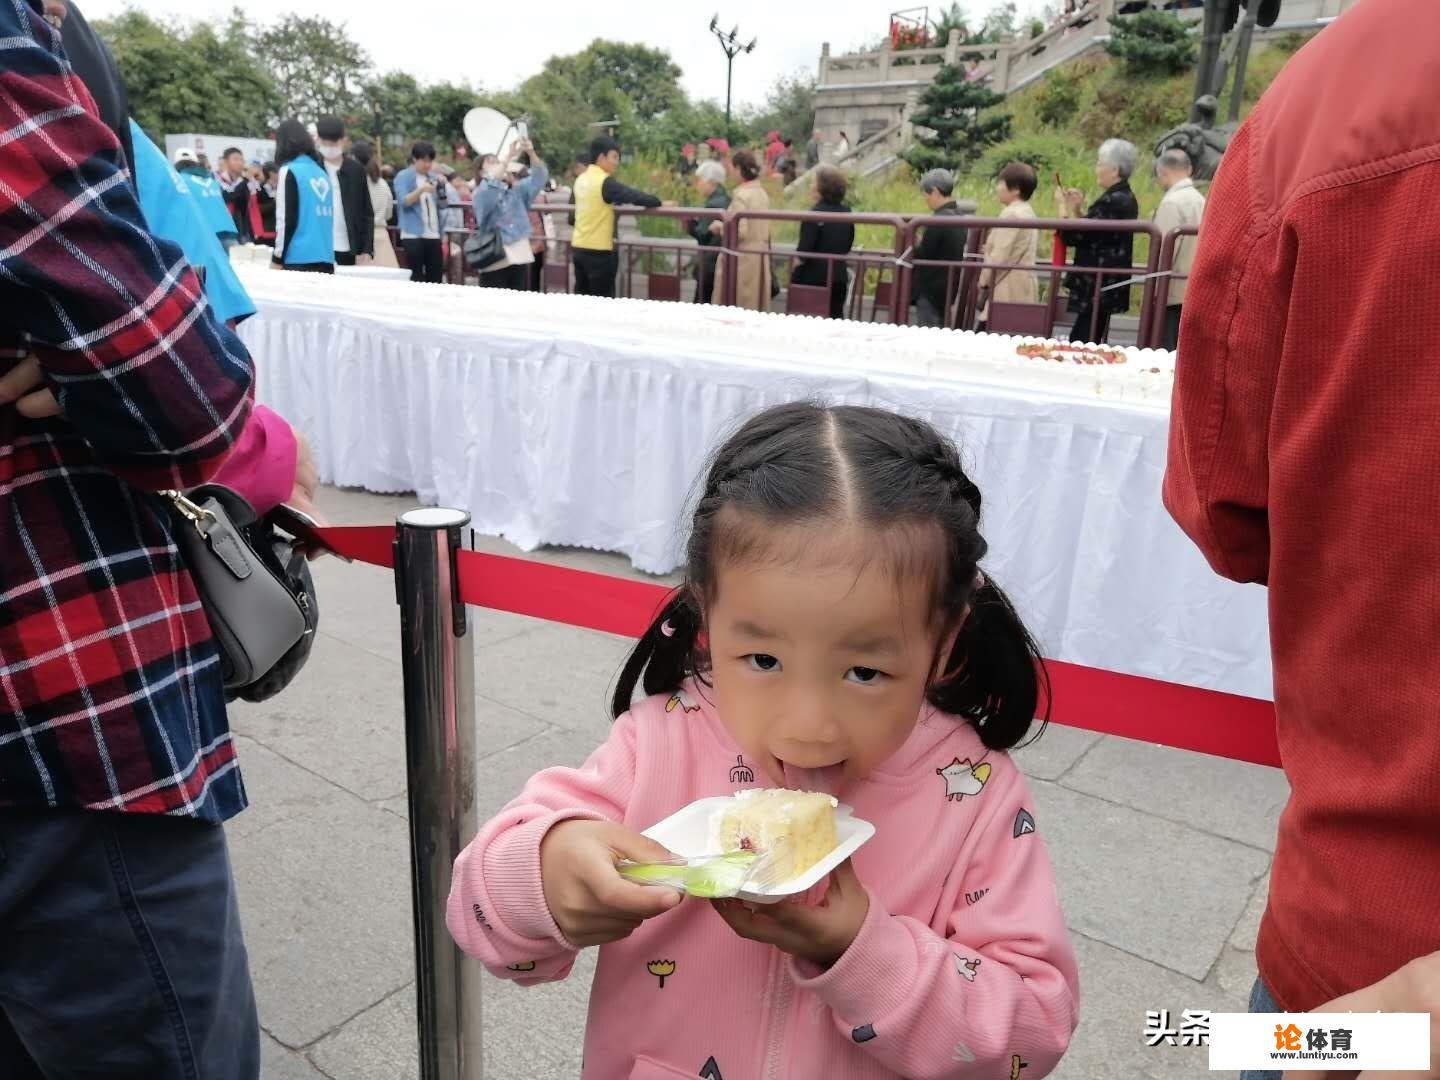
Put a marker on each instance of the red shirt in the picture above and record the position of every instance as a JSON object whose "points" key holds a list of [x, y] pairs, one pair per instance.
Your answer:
{"points": [[1305, 455]]}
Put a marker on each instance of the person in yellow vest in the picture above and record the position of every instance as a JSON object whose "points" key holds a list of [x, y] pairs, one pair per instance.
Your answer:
{"points": [[592, 247]]}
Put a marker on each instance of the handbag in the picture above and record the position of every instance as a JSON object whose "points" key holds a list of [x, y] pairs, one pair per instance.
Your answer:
{"points": [[483, 250], [255, 588]]}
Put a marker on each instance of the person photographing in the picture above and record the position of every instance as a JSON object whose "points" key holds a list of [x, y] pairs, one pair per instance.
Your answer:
{"points": [[420, 195], [502, 204], [597, 193]]}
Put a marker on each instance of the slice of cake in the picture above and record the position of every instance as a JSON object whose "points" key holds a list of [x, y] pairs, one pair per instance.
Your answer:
{"points": [[797, 828]]}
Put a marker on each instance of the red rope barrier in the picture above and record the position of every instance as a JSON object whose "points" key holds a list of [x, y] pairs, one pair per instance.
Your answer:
{"points": [[1131, 706]]}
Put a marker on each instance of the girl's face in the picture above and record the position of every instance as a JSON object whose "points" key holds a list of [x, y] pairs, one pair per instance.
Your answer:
{"points": [[817, 664], [1003, 193]]}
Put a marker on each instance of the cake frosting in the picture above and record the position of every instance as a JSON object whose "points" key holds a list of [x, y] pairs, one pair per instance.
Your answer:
{"points": [[1130, 375]]}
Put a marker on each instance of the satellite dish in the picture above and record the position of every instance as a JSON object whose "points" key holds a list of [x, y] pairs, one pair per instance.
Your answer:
{"points": [[490, 131]]}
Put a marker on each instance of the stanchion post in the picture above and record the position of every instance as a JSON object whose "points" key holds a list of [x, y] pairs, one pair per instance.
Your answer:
{"points": [[438, 666]]}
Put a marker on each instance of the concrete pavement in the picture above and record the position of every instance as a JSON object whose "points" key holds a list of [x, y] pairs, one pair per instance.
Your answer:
{"points": [[1161, 855]]}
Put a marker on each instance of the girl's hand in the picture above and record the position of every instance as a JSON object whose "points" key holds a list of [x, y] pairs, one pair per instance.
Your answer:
{"points": [[587, 897], [820, 934]]}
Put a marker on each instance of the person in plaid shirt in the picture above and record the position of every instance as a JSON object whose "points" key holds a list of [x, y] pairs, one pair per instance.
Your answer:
{"points": [[120, 946]]}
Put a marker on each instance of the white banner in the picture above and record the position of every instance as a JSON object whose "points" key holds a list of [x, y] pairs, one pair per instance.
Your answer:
{"points": [[1319, 1041]]}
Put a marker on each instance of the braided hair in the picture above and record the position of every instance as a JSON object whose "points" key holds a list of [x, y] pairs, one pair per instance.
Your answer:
{"points": [[805, 462]]}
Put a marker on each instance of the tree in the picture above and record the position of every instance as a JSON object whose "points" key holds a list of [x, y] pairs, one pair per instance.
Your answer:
{"points": [[789, 108], [951, 18], [392, 104], [203, 79], [442, 111], [647, 78], [317, 67], [1151, 43], [952, 109]]}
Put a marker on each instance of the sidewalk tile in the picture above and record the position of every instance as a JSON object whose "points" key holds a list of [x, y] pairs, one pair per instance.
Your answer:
{"points": [[1159, 890], [324, 900], [278, 1063], [1116, 990], [1057, 749], [1228, 798]]}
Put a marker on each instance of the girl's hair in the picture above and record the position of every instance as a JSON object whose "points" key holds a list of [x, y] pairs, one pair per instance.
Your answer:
{"points": [[292, 141], [808, 463], [745, 164]]}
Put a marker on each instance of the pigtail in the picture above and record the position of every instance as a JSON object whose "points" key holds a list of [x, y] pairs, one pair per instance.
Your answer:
{"points": [[663, 658], [998, 680]]}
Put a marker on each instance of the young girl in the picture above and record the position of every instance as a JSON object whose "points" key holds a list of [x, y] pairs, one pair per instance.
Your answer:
{"points": [[834, 634]]}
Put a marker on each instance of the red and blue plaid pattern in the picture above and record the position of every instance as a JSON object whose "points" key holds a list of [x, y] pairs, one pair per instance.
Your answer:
{"points": [[110, 690]]}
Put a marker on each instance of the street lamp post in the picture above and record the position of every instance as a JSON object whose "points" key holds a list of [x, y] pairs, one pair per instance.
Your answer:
{"points": [[731, 44]]}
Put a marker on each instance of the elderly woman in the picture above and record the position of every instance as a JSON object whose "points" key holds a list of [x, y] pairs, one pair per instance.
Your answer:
{"points": [[710, 183], [752, 273], [827, 237], [1114, 164]]}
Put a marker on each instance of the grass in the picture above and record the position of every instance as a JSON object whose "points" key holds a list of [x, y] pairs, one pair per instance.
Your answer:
{"points": [[1056, 124]]}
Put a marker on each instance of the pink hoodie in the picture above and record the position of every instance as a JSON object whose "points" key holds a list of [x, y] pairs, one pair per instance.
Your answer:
{"points": [[963, 967]]}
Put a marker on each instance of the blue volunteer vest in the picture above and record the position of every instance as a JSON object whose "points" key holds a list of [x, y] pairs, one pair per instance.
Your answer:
{"points": [[211, 201], [173, 213], [314, 239]]}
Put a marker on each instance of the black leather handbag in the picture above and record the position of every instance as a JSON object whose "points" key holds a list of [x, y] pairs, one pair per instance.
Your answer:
{"points": [[483, 250], [256, 589]]}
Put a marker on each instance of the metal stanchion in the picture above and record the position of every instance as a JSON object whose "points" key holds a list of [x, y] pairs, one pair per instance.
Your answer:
{"points": [[438, 664]]}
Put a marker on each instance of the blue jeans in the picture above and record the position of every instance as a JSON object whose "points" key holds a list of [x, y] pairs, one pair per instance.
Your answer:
{"points": [[1261, 1002], [120, 951]]}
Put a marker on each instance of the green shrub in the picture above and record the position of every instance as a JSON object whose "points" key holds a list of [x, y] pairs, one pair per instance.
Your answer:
{"points": [[1151, 43], [1046, 154], [1058, 97]]}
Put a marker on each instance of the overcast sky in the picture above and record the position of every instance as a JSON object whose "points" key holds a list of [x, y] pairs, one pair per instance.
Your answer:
{"points": [[497, 43]]}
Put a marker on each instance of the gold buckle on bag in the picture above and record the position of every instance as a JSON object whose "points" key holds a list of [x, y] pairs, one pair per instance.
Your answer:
{"points": [[192, 511]]}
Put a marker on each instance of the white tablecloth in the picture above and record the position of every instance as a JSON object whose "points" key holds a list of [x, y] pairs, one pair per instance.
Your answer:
{"points": [[563, 434]]}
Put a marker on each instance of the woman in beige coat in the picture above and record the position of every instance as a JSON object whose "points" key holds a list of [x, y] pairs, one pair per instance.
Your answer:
{"points": [[752, 279], [382, 199], [1013, 187]]}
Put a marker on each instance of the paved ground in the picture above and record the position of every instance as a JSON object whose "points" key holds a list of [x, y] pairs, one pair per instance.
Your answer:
{"points": [[1162, 856]]}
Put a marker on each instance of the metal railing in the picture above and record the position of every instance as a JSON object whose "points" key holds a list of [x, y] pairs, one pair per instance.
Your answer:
{"points": [[668, 263], [1162, 286]]}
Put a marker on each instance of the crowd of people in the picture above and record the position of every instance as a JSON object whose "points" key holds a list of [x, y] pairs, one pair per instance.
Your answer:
{"points": [[324, 202]]}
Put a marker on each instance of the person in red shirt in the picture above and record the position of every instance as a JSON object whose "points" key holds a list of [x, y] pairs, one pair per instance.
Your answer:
{"points": [[774, 147], [1305, 456]]}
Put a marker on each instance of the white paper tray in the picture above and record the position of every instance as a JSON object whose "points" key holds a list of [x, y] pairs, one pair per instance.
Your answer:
{"points": [[687, 832]]}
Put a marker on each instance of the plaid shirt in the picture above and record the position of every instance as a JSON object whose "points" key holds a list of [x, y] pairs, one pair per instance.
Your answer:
{"points": [[110, 689]]}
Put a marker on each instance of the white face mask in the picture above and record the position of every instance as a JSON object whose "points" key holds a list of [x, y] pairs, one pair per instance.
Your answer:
{"points": [[331, 151]]}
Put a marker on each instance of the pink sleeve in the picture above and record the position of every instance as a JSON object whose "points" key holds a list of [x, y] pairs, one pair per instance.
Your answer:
{"points": [[261, 466], [497, 911], [1001, 984]]}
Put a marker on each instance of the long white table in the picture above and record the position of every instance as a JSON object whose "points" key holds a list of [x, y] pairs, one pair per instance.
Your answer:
{"points": [[557, 431]]}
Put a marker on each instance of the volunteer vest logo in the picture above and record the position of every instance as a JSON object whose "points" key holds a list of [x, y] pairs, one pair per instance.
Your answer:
{"points": [[864, 1033], [962, 778], [321, 187], [740, 773], [1024, 823], [710, 1071], [661, 969], [967, 967]]}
